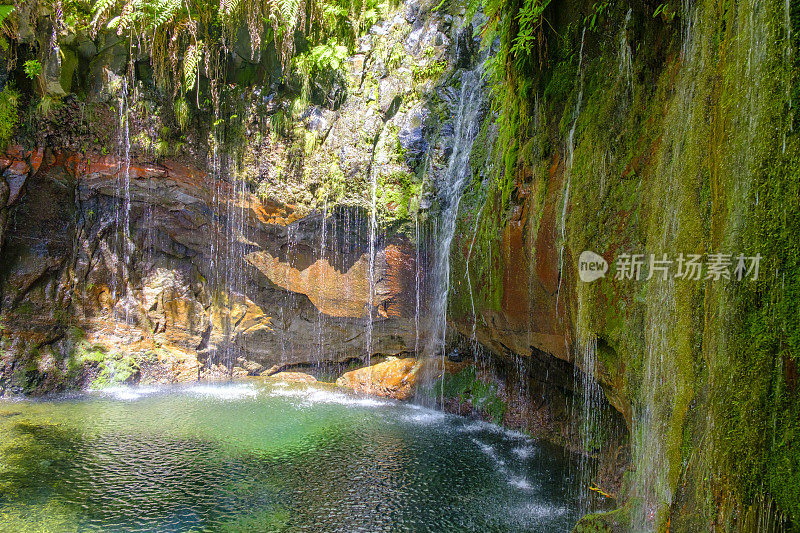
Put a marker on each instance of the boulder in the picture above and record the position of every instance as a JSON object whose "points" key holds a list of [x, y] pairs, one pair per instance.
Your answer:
{"points": [[394, 378]]}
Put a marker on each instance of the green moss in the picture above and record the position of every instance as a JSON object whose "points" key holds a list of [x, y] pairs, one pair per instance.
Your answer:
{"points": [[615, 521], [9, 115], [399, 195], [467, 387], [676, 165], [430, 70], [112, 367]]}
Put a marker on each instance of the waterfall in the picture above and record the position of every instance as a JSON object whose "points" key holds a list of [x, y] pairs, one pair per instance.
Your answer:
{"points": [[650, 451], [287, 349], [227, 241], [235, 280], [625, 52], [788, 58], [474, 337], [450, 188], [321, 285]]}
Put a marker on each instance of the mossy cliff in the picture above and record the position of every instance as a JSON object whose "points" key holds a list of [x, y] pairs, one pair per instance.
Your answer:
{"points": [[653, 129]]}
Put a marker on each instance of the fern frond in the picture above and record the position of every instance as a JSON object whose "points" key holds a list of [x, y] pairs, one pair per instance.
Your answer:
{"points": [[165, 11], [100, 11], [126, 17], [227, 8], [181, 108], [288, 11], [191, 62]]}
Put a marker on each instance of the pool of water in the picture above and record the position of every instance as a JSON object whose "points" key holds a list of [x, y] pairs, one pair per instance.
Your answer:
{"points": [[252, 456]]}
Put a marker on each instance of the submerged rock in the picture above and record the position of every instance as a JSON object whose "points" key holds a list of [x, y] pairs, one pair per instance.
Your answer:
{"points": [[294, 377]]}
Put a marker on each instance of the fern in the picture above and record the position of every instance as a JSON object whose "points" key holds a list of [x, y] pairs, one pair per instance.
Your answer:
{"points": [[191, 61], [101, 10], [169, 31], [289, 10], [530, 20], [164, 11], [228, 8], [5, 11], [331, 13]]}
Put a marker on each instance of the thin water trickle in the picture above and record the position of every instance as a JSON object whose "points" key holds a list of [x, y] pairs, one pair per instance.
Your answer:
{"points": [[625, 52], [373, 231], [321, 285], [568, 172], [474, 337], [122, 213], [589, 423]]}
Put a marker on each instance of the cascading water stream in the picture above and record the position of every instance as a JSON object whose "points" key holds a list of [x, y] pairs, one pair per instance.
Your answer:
{"points": [[450, 188], [589, 421], [625, 52], [226, 252], [321, 286]]}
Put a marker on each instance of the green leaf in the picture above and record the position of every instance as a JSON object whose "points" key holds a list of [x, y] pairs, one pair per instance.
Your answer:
{"points": [[5, 11]]}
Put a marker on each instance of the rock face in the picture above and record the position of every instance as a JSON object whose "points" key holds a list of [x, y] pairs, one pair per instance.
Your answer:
{"points": [[234, 281]]}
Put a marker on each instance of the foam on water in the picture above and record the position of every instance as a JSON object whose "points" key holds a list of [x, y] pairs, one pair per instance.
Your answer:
{"points": [[477, 426], [515, 480], [424, 415], [312, 396], [126, 393], [490, 452], [524, 452], [520, 482], [283, 392], [225, 392]]}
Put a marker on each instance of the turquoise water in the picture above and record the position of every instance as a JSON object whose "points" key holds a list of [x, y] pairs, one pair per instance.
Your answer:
{"points": [[252, 456]]}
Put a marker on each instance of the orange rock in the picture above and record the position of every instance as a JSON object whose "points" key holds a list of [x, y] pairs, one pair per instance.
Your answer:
{"points": [[341, 294], [394, 378]]}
